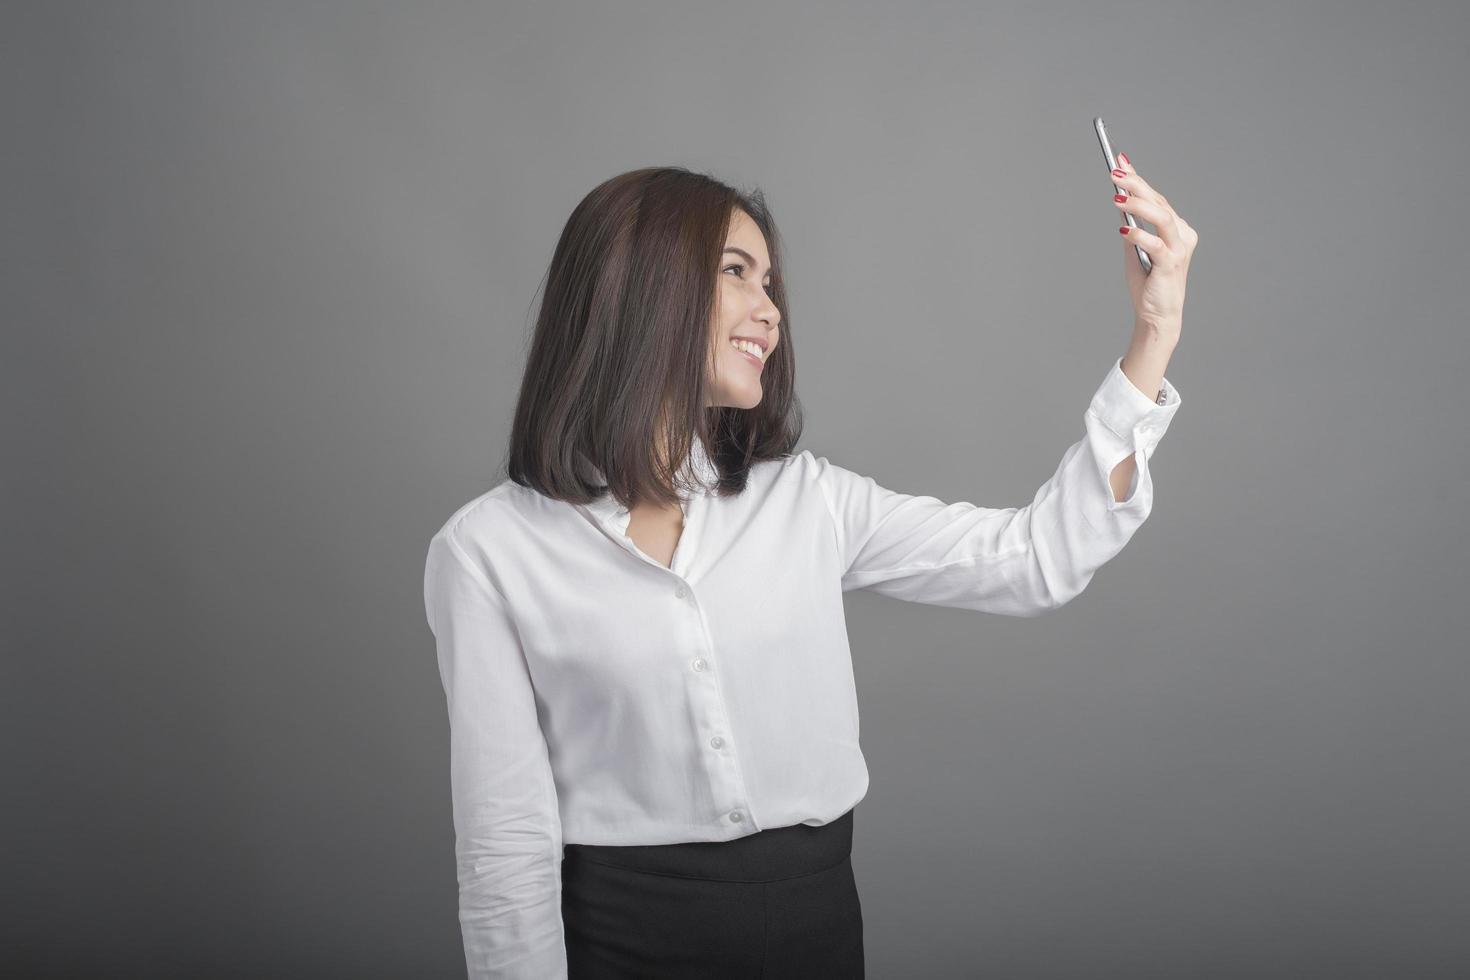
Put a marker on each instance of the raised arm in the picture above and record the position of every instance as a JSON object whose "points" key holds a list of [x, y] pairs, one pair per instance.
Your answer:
{"points": [[1015, 561], [507, 829]]}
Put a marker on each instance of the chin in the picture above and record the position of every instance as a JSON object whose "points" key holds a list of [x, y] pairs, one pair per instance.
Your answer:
{"points": [[742, 398]]}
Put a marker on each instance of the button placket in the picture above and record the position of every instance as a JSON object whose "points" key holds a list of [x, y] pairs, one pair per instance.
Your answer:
{"points": [[726, 760], [718, 718]]}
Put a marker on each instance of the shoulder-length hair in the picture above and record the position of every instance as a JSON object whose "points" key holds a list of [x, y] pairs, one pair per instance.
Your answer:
{"points": [[622, 340]]}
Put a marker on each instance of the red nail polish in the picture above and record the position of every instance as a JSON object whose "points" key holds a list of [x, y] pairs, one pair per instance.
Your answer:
{"points": [[1123, 230], [1120, 198], [1119, 173]]}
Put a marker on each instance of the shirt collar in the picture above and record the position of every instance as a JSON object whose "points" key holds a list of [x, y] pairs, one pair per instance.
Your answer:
{"points": [[698, 466]]}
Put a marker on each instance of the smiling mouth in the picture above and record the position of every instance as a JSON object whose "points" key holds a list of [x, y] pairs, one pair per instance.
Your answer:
{"points": [[750, 358]]}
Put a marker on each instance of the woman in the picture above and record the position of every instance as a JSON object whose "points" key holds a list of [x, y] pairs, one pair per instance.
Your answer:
{"points": [[653, 722]]}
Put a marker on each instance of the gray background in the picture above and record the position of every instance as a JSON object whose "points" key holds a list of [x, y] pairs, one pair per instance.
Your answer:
{"points": [[269, 271]]}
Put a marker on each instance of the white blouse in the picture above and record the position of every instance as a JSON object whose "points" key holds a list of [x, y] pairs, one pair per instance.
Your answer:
{"points": [[596, 696]]}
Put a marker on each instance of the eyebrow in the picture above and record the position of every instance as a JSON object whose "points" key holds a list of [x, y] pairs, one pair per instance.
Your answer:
{"points": [[744, 255]]}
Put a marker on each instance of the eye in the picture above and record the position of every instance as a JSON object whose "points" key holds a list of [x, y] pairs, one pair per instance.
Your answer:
{"points": [[741, 267]]}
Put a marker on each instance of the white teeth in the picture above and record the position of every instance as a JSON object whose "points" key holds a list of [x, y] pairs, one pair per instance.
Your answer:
{"points": [[748, 347]]}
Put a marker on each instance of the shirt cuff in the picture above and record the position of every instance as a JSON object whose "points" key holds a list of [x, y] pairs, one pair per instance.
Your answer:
{"points": [[1137, 420]]}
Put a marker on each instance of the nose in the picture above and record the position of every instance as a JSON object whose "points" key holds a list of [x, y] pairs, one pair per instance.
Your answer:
{"points": [[767, 312]]}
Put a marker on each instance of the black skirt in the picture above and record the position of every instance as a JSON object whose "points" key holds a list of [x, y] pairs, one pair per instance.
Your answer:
{"points": [[779, 903]]}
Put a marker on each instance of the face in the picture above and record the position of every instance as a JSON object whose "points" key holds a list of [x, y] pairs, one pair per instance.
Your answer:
{"points": [[744, 312]]}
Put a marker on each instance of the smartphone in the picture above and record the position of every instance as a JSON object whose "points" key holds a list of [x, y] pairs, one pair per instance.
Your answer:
{"points": [[1107, 148]]}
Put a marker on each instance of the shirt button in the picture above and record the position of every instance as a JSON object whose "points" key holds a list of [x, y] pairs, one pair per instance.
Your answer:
{"points": [[717, 741], [736, 816], [681, 592], [699, 663]]}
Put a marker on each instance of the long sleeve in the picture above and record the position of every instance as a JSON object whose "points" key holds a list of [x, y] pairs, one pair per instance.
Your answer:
{"points": [[508, 842], [1017, 561]]}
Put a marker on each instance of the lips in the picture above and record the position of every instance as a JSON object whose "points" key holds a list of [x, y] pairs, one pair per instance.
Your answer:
{"points": [[750, 358]]}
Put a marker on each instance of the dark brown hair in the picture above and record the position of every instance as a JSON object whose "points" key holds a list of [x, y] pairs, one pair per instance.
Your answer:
{"points": [[623, 335]]}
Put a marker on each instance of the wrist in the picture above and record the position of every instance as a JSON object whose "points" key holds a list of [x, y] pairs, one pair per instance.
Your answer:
{"points": [[1145, 362], [1149, 335]]}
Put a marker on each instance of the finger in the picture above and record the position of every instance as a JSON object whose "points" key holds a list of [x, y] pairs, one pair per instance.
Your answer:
{"points": [[1158, 252], [1136, 185], [1155, 214]]}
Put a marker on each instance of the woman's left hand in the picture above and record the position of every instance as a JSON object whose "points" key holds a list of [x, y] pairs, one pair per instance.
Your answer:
{"points": [[1158, 296]]}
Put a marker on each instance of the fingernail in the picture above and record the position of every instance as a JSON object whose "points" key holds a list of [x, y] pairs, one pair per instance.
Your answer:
{"points": [[1120, 198], [1124, 157], [1123, 230], [1119, 173]]}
